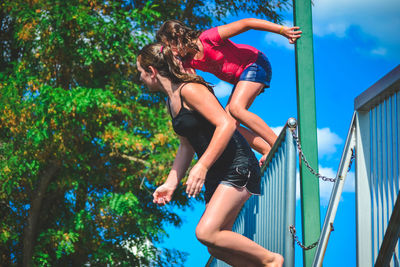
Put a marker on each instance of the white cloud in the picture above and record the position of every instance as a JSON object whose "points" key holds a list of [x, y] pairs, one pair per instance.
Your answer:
{"points": [[327, 141], [277, 130], [378, 19], [222, 89], [278, 40], [325, 187], [379, 51]]}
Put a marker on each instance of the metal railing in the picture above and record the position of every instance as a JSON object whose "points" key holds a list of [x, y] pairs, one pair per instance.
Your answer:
{"points": [[344, 166], [266, 219], [377, 167]]}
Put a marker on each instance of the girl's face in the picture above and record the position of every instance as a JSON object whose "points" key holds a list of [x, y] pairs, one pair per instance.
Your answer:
{"points": [[148, 78]]}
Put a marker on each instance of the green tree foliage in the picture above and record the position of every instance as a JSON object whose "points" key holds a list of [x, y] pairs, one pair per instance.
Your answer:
{"points": [[80, 139], [201, 13]]}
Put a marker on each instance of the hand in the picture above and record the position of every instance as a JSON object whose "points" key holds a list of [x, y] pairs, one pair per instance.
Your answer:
{"points": [[196, 179], [292, 33], [163, 194], [262, 159]]}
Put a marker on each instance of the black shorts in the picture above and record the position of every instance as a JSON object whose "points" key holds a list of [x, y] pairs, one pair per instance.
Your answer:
{"points": [[242, 171], [238, 176]]}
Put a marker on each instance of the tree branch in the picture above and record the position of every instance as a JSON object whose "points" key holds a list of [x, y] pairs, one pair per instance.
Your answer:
{"points": [[134, 159]]}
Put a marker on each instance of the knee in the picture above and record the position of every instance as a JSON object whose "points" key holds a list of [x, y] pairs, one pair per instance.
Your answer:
{"points": [[205, 235], [235, 110]]}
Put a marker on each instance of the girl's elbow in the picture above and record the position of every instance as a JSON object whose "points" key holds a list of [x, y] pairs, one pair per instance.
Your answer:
{"points": [[231, 124]]}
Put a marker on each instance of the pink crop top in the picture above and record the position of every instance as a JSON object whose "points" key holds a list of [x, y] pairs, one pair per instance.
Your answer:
{"points": [[223, 58]]}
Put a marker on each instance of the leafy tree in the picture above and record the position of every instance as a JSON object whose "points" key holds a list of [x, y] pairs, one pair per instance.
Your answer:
{"points": [[201, 13], [80, 140]]}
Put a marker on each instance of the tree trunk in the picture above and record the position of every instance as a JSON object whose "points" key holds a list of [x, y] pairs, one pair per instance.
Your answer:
{"points": [[33, 215]]}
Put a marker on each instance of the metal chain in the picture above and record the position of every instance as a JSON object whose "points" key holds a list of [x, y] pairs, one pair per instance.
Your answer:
{"points": [[324, 178], [295, 237], [303, 157]]}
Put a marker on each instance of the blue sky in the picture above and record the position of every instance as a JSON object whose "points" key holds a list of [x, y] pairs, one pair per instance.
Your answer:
{"points": [[355, 43]]}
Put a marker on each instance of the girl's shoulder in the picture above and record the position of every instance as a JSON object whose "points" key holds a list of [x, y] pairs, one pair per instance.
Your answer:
{"points": [[193, 90], [211, 35], [192, 87]]}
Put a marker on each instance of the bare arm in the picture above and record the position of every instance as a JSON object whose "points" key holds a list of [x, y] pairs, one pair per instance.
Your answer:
{"points": [[200, 99], [232, 29], [184, 156], [181, 163]]}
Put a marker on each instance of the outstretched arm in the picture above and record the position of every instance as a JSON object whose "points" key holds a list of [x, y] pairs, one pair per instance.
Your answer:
{"points": [[232, 29], [184, 156]]}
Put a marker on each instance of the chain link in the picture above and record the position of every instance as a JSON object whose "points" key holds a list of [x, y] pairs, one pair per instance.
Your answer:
{"points": [[324, 178], [303, 158], [295, 237]]}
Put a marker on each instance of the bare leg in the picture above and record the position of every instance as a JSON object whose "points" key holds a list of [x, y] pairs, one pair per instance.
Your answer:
{"points": [[231, 259], [241, 99], [229, 246], [219, 253], [256, 142]]}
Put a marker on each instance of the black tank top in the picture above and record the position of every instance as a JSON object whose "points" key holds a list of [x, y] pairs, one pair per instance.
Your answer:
{"points": [[199, 131]]}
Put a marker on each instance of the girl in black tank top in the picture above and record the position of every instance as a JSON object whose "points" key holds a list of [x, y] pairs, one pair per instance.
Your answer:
{"points": [[226, 165], [236, 156]]}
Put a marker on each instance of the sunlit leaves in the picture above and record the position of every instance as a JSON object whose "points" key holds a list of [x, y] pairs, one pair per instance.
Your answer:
{"points": [[70, 97]]}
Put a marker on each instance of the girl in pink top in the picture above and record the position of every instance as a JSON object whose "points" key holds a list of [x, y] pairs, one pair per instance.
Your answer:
{"points": [[244, 66]]}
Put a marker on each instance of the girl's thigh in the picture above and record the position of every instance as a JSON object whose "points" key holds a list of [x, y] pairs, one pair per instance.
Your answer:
{"points": [[244, 94], [223, 208]]}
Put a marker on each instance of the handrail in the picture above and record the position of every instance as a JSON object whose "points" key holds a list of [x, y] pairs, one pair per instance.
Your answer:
{"points": [[335, 195]]}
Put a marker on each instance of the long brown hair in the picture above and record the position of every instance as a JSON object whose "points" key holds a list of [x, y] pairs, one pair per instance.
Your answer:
{"points": [[177, 33], [161, 57]]}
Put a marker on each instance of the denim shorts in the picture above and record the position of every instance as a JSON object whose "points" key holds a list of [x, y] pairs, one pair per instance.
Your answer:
{"points": [[260, 71]]}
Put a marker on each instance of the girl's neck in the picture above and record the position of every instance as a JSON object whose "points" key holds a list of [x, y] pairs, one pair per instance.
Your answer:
{"points": [[168, 87]]}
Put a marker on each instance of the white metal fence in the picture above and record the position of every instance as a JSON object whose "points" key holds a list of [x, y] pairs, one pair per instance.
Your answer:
{"points": [[377, 165]]}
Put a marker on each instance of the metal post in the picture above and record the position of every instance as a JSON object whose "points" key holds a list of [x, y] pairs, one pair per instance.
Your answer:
{"points": [[306, 112]]}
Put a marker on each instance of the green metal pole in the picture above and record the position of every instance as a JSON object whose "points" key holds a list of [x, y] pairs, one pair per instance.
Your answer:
{"points": [[306, 112]]}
